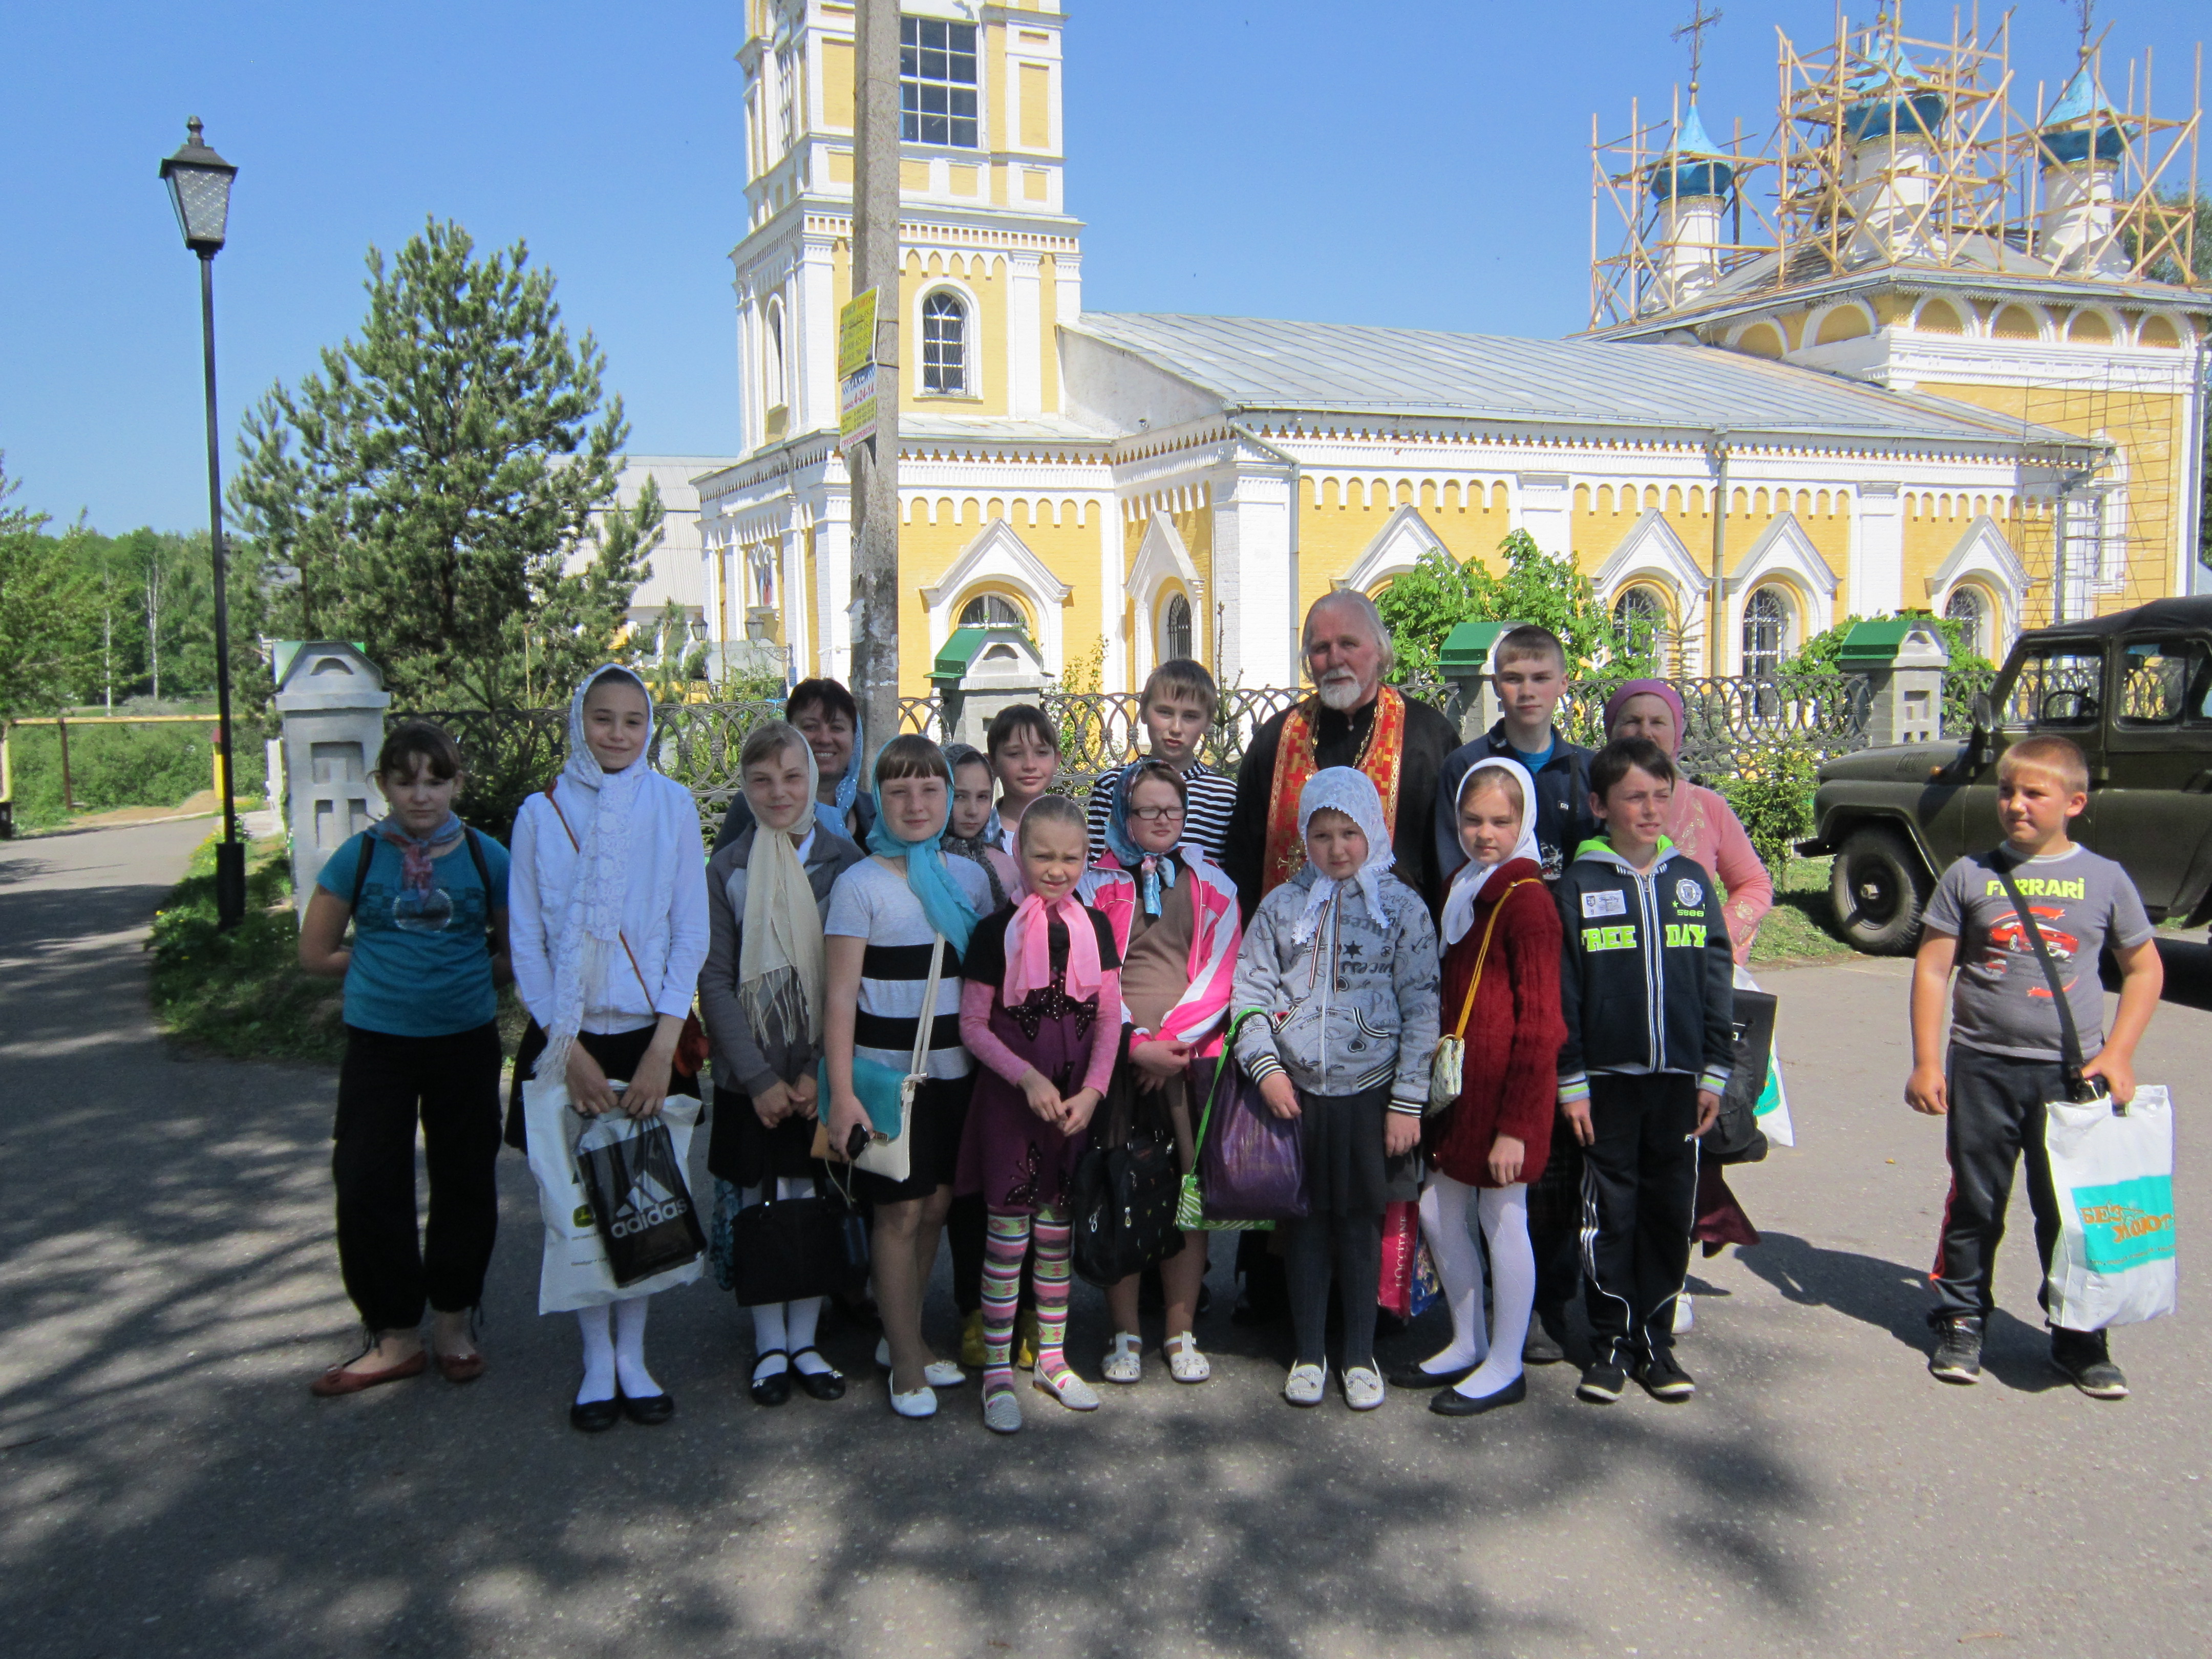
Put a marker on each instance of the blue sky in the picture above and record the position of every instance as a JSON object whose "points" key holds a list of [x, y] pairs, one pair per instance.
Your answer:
{"points": [[1421, 163]]}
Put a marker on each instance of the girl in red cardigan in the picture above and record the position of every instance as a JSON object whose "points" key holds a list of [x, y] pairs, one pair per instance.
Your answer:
{"points": [[1501, 933]]}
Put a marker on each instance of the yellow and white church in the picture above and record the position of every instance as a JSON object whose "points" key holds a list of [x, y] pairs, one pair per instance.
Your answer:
{"points": [[1928, 366]]}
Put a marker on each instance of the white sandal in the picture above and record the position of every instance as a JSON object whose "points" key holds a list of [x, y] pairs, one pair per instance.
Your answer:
{"points": [[1125, 1360], [1185, 1363]]}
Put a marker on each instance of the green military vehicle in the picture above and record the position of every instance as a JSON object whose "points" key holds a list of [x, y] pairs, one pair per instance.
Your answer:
{"points": [[2133, 690]]}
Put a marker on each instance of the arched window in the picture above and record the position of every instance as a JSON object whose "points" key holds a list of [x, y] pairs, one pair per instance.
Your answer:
{"points": [[1766, 632], [945, 345], [991, 610], [1175, 628], [773, 364], [1642, 613], [1967, 607]]}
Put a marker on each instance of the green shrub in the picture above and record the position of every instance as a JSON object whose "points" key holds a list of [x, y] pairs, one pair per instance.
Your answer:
{"points": [[241, 993], [113, 766], [1773, 793]]}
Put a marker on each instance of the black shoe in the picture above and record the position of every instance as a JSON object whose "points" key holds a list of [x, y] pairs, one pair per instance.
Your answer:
{"points": [[1451, 1402], [2087, 1363], [595, 1416], [1604, 1380], [819, 1385], [776, 1388], [1957, 1356], [1663, 1379], [1545, 1345], [1413, 1376], [648, 1409]]}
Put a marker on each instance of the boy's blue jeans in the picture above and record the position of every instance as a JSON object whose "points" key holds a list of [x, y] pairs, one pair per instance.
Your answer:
{"points": [[1996, 1119]]}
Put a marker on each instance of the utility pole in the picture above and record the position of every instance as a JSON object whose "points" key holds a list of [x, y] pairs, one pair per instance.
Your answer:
{"points": [[874, 460]]}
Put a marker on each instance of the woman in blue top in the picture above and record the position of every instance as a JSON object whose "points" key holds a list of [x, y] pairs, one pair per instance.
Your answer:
{"points": [[429, 919]]}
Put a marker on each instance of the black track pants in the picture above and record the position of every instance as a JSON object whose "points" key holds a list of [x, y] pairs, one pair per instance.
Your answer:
{"points": [[1639, 1201]]}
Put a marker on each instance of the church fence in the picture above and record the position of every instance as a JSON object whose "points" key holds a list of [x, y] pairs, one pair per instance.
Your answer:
{"points": [[1737, 726]]}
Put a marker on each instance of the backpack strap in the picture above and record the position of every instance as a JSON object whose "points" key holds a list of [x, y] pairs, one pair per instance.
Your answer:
{"points": [[361, 870]]}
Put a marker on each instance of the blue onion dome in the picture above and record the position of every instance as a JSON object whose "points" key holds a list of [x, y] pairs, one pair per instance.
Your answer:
{"points": [[2081, 122], [1693, 166], [1890, 96]]}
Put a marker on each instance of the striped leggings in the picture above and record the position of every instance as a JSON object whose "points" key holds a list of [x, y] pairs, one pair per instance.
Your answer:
{"points": [[1007, 1241]]}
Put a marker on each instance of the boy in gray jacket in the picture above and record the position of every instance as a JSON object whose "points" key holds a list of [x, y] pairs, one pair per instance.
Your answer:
{"points": [[1341, 961]]}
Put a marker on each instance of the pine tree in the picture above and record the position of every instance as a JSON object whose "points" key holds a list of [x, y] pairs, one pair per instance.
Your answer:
{"points": [[427, 492]]}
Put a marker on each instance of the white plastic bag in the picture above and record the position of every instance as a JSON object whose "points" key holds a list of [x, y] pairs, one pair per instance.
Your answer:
{"points": [[1772, 1107], [2113, 1173], [573, 1273]]}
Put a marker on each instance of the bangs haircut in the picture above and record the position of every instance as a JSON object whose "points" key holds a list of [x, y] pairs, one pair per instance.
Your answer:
{"points": [[2060, 756], [912, 756], [766, 741], [828, 695], [1613, 763], [1530, 640], [1053, 809], [1017, 718], [1179, 677], [1159, 771], [1493, 780], [425, 740]]}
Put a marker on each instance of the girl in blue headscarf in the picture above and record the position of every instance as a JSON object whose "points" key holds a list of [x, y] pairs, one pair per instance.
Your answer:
{"points": [[889, 916]]}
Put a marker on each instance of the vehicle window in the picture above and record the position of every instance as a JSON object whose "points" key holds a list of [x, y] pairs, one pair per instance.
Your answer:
{"points": [[2059, 686], [2163, 682]]}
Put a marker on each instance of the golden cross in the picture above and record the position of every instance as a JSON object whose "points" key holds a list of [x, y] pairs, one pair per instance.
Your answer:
{"points": [[1700, 21]]}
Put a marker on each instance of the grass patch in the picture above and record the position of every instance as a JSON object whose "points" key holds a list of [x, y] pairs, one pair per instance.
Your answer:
{"points": [[1802, 925], [113, 766], [241, 993]]}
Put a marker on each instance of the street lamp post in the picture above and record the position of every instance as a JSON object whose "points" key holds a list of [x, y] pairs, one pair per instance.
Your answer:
{"points": [[200, 189]]}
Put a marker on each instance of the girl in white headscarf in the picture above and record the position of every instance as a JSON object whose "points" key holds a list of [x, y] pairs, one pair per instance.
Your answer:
{"points": [[608, 891], [1341, 959], [1501, 998], [762, 997]]}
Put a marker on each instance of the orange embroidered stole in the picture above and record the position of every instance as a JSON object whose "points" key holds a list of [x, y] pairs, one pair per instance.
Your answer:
{"points": [[1381, 757]]}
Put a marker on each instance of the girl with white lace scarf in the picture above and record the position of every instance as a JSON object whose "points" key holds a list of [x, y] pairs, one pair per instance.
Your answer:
{"points": [[1341, 960], [609, 895]]}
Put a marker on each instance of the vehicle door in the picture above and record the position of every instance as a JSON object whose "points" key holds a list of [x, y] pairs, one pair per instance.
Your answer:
{"points": [[2153, 807], [2053, 686]]}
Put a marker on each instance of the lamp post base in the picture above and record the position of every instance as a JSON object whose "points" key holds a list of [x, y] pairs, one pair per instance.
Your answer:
{"points": [[229, 884]]}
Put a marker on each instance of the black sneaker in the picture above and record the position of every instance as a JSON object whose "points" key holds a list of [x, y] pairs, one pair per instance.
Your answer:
{"points": [[1957, 1356], [1663, 1379], [2087, 1364], [1603, 1381], [1544, 1345]]}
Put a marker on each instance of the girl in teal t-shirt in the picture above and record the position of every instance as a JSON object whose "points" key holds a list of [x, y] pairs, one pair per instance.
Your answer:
{"points": [[428, 900]]}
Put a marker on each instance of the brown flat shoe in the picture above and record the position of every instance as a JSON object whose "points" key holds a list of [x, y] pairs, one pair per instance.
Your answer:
{"points": [[338, 1379], [460, 1367]]}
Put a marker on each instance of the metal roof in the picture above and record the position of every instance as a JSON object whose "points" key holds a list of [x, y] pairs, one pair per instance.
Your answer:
{"points": [[1253, 365]]}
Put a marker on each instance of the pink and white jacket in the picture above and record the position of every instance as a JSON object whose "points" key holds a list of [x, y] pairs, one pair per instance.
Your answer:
{"points": [[1200, 1013]]}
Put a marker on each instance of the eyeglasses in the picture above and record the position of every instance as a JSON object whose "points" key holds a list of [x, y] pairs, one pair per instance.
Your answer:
{"points": [[1157, 814]]}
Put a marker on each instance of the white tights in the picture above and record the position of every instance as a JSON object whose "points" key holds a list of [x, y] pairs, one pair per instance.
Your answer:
{"points": [[616, 1354], [1503, 1213], [780, 1329]]}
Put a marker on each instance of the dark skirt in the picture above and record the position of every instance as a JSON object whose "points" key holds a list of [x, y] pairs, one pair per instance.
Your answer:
{"points": [[1018, 1162], [744, 1151], [1346, 1172], [617, 1052], [940, 1113]]}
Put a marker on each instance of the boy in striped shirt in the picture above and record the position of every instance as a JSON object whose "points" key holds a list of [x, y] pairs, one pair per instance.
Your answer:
{"points": [[1176, 706]]}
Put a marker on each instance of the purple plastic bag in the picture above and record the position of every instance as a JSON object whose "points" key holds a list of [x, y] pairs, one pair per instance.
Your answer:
{"points": [[1253, 1165]]}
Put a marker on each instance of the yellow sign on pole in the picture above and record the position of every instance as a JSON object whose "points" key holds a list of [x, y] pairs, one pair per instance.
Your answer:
{"points": [[856, 369]]}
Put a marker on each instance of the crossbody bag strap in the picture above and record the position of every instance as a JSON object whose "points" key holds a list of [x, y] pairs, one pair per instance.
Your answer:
{"points": [[1481, 955], [2069, 1036], [620, 938], [925, 1026]]}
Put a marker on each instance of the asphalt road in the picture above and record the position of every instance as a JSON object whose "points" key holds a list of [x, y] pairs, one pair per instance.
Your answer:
{"points": [[167, 1287]]}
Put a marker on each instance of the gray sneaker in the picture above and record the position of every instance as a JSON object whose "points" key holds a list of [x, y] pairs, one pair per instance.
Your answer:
{"points": [[2087, 1363]]}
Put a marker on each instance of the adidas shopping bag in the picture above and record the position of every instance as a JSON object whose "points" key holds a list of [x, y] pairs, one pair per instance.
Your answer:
{"points": [[577, 1270], [2113, 1173]]}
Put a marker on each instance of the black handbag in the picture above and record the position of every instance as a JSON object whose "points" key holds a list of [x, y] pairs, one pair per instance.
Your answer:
{"points": [[1124, 1190], [1735, 1136], [787, 1250]]}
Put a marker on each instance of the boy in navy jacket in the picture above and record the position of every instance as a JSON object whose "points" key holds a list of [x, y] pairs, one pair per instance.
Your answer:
{"points": [[1646, 983]]}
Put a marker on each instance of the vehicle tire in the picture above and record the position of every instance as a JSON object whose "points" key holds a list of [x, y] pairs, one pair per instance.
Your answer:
{"points": [[1879, 888]]}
